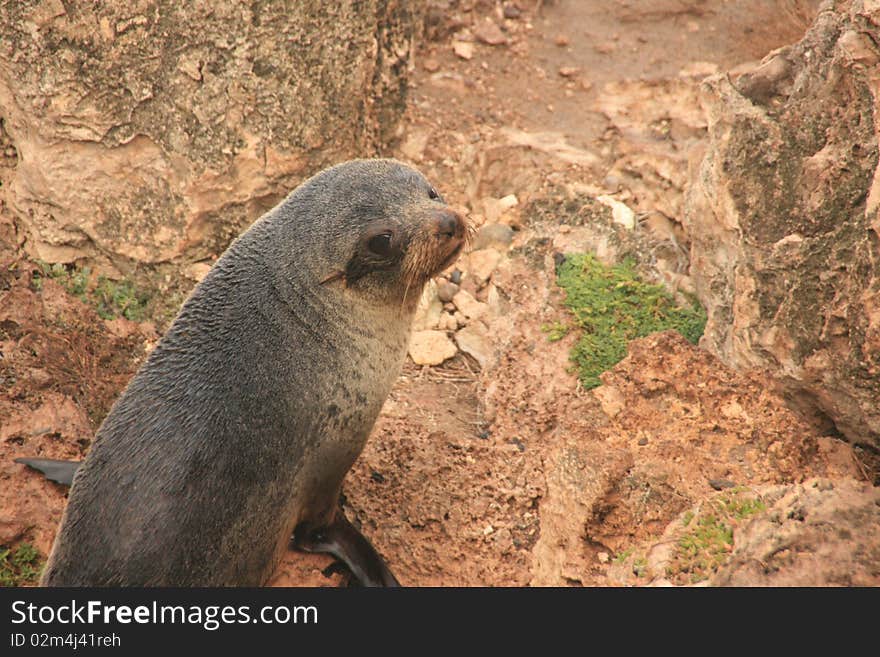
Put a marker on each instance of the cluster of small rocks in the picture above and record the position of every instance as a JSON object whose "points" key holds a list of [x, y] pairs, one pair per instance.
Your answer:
{"points": [[455, 309]]}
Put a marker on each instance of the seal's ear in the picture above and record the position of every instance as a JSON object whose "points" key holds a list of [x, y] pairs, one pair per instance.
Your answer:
{"points": [[335, 276]]}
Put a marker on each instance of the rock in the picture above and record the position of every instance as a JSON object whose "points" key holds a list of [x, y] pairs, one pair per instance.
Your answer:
{"points": [[431, 65], [817, 533], [579, 474], [498, 236], [155, 133], [620, 212], [469, 284], [496, 208], [430, 347], [469, 307], [413, 147], [446, 290], [482, 263], [447, 322], [489, 33], [198, 270], [494, 300], [474, 340], [783, 220], [11, 530], [429, 309], [610, 399], [463, 49], [511, 11], [568, 71]]}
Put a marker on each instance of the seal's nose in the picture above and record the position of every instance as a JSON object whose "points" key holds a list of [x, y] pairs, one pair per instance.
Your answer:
{"points": [[450, 225]]}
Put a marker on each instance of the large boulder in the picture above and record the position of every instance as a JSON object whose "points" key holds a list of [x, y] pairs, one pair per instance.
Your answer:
{"points": [[152, 130], [783, 218]]}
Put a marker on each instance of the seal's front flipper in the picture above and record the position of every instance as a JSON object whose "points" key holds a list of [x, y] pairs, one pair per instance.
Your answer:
{"points": [[347, 544], [60, 472]]}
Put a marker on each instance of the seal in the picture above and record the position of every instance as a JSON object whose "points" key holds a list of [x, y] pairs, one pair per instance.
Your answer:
{"points": [[237, 431]]}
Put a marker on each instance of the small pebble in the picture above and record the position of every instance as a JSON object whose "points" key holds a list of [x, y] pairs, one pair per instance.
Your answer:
{"points": [[446, 290], [721, 484], [455, 276], [643, 442], [377, 477], [511, 11]]}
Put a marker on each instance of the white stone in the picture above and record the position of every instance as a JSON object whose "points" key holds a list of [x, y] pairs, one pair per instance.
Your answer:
{"points": [[620, 212], [610, 398], [463, 49], [474, 340], [469, 307], [447, 322], [482, 263], [430, 347], [429, 309]]}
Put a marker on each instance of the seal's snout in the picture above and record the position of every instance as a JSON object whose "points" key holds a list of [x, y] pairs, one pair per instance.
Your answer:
{"points": [[450, 224], [435, 243]]}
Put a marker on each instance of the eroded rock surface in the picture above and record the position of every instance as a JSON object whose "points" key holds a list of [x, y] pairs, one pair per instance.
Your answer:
{"points": [[783, 219], [150, 130]]}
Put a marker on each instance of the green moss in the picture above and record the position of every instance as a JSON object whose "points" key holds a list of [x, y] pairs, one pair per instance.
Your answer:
{"points": [[705, 547], [20, 565], [742, 508], [612, 306], [622, 556], [708, 540], [110, 298], [555, 331], [640, 567], [114, 299]]}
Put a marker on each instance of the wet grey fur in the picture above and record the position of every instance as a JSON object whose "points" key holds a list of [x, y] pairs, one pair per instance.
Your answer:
{"points": [[247, 415]]}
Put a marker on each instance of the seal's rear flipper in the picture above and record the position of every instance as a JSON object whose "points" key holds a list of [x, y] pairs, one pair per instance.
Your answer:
{"points": [[347, 544], [60, 472]]}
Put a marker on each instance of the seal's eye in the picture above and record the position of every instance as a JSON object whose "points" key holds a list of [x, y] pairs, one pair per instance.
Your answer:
{"points": [[433, 195], [380, 244]]}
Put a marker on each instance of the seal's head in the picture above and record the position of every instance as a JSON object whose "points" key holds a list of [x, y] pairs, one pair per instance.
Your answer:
{"points": [[387, 229]]}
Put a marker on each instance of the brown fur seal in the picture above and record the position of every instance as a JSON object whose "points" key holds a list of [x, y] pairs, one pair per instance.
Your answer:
{"points": [[243, 421]]}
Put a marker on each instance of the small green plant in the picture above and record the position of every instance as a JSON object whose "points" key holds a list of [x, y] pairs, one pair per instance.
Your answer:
{"points": [[20, 565], [612, 306], [708, 539], [740, 509], [706, 546], [113, 299], [640, 567], [555, 331], [622, 556], [110, 298]]}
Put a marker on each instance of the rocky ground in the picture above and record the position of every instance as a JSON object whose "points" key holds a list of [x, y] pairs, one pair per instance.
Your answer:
{"points": [[557, 127]]}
